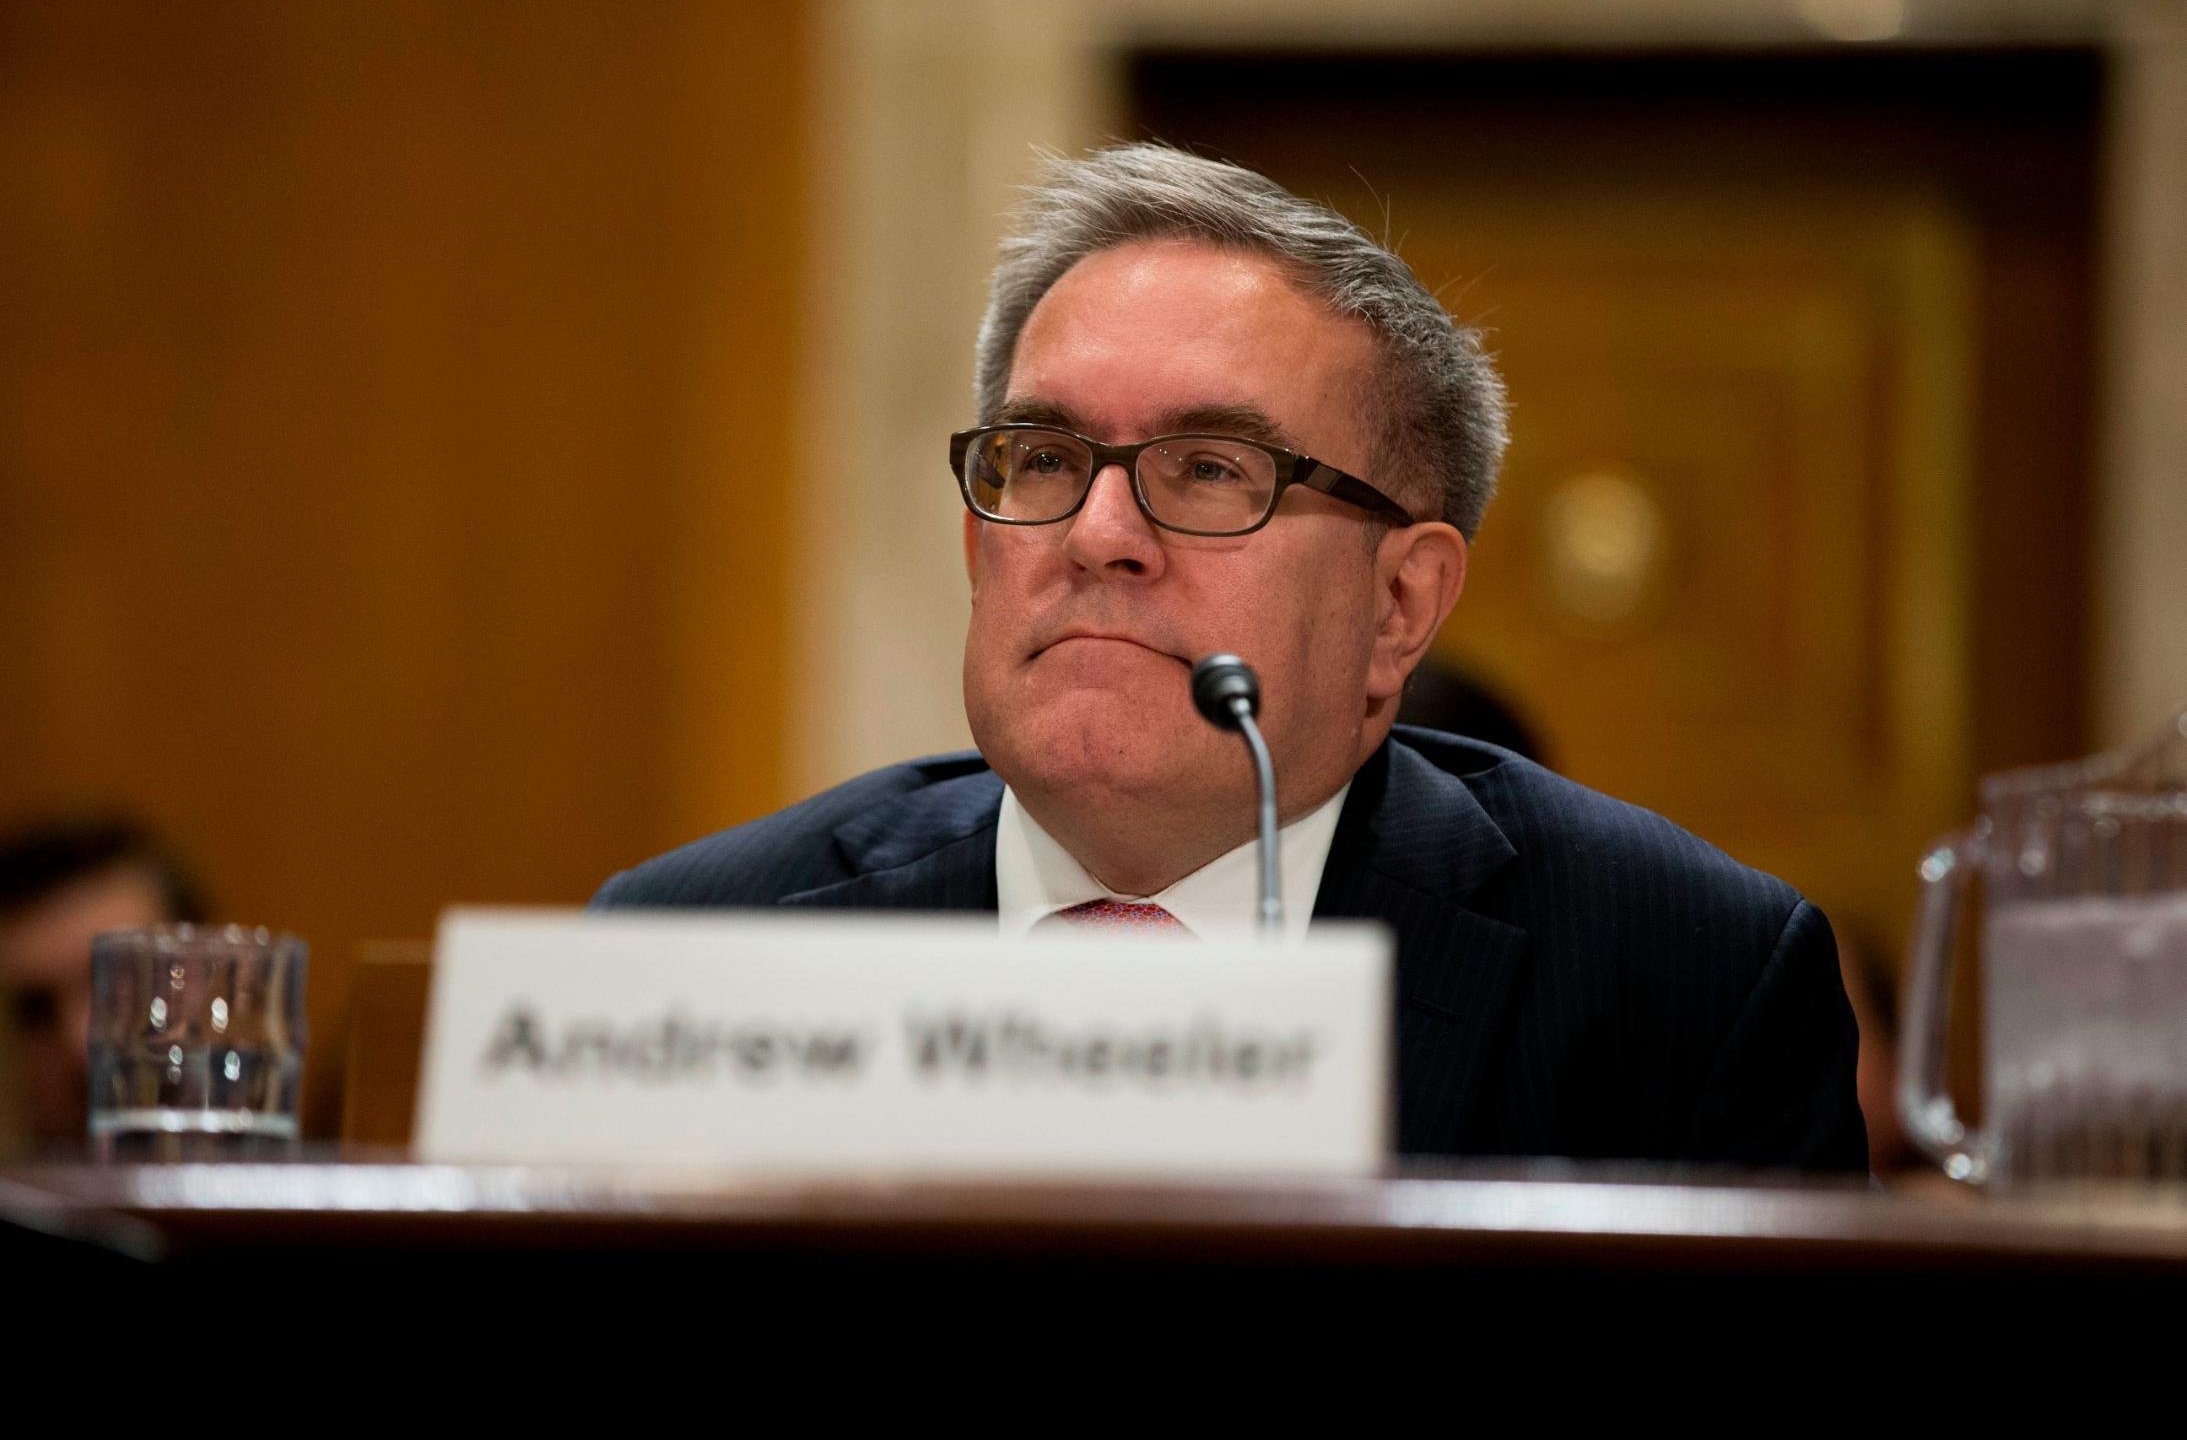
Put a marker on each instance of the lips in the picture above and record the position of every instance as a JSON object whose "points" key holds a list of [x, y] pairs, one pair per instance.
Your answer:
{"points": [[1107, 637]]}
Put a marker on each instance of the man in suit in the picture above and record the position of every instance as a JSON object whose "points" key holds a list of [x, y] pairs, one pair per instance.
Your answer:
{"points": [[1221, 418]]}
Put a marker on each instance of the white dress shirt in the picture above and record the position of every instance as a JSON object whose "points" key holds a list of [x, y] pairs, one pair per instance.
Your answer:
{"points": [[1035, 876]]}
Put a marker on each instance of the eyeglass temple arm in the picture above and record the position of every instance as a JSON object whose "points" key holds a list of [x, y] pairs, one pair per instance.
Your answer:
{"points": [[1338, 485]]}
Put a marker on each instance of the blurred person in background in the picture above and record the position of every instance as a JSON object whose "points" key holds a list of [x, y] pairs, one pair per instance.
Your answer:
{"points": [[62, 882], [1445, 697]]}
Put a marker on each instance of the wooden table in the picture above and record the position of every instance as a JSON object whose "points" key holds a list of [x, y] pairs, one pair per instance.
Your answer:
{"points": [[1533, 1217], [1517, 1267]]}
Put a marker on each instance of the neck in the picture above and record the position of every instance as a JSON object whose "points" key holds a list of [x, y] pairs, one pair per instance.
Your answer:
{"points": [[1143, 841], [1142, 845], [1131, 851]]}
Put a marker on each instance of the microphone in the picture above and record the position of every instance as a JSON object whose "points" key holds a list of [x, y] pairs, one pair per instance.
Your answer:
{"points": [[1228, 696]]}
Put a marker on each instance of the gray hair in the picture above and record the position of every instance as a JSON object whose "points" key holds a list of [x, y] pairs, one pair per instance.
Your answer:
{"points": [[1444, 415]]}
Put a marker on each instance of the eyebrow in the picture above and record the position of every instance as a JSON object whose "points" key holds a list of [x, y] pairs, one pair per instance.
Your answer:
{"points": [[1246, 422]]}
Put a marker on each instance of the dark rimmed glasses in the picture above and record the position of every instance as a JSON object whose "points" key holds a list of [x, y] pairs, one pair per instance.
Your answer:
{"points": [[1192, 484]]}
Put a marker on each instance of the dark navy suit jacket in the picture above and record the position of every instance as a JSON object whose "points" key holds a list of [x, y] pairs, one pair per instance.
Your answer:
{"points": [[1575, 977]]}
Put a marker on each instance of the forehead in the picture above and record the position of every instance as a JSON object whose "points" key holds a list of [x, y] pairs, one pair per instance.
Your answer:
{"points": [[1138, 331]]}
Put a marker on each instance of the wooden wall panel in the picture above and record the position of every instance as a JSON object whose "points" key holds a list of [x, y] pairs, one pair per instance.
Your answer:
{"points": [[394, 438]]}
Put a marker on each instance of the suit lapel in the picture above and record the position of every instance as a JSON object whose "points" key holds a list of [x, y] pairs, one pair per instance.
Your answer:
{"points": [[1411, 849], [932, 849]]}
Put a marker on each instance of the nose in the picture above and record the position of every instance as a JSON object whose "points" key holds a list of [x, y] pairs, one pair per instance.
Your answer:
{"points": [[1110, 533]]}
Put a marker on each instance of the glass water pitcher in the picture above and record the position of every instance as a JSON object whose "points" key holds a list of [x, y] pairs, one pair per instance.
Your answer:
{"points": [[2084, 975]]}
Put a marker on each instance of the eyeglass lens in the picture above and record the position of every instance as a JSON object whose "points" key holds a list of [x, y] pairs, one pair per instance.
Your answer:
{"points": [[1194, 482]]}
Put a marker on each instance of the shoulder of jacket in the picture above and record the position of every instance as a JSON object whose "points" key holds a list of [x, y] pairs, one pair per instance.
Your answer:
{"points": [[791, 849]]}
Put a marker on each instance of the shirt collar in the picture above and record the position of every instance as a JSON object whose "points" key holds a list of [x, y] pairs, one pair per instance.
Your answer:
{"points": [[1035, 876]]}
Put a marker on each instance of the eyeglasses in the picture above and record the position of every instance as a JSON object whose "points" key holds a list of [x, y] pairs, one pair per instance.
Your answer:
{"points": [[1192, 484]]}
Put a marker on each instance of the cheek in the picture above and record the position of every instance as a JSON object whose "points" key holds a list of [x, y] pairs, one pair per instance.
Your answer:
{"points": [[998, 633], [987, 554], [994, 612], [1010, 561], [1326, 653], [984, 662]]}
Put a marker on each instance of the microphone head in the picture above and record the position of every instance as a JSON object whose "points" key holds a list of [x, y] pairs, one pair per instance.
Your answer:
{"points": [[1218, 683]]}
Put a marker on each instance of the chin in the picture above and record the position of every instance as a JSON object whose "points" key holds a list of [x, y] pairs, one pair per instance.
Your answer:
{"points": [[1096, 744]]}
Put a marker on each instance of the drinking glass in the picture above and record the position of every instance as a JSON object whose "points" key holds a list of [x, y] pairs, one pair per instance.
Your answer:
{"points": [[197, 1042]]}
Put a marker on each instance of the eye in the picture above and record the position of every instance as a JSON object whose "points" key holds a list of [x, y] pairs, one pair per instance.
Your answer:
{"points": [[1045, 462], [1212, 470]]}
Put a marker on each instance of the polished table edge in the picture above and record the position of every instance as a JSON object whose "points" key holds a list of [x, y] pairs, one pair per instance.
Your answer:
{"points": [[1520, 1214]]}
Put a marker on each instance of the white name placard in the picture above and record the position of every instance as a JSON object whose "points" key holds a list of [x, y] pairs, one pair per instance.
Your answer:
{"points": [[829, 1046]]}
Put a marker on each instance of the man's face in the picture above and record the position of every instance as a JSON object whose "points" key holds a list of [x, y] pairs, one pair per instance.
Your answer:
{"points": [[1084, 632], [45, 963]]}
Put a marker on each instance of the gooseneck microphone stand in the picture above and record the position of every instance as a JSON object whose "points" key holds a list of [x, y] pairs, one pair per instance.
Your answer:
{"points": [[1226, 693]]}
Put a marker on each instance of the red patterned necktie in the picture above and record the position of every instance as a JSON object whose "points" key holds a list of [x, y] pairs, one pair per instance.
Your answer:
{"points": [[1119, 917]]}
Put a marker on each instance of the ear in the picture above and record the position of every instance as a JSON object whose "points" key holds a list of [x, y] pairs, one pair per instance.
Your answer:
{"points": [[972, 550], [1419, 570]]}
